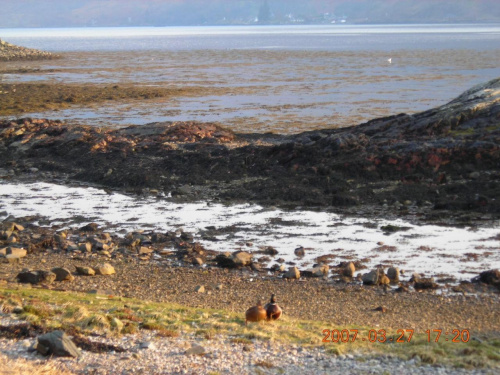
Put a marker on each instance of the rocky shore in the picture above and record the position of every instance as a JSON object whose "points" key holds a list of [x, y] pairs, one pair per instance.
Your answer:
{"points": [[439, 165], [137, 264], [171, 267], [11, 52]]}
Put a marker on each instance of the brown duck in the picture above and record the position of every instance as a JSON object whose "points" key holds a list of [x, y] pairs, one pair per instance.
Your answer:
{"points": [[273, 311], [255, 313]]}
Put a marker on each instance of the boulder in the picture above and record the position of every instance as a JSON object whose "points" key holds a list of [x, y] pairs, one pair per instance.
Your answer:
{"points": [[57, 343], [104, 269], [62, 274], [292, 273]]}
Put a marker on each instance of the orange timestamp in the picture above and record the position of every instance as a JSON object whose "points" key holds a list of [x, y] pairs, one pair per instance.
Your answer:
{"points": [[401, 336]]}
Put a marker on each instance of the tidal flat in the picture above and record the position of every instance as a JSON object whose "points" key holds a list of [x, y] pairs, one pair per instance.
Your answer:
{"points": [[246, 90]]}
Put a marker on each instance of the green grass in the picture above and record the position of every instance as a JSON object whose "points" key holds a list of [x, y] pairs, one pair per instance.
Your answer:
{"points": [[92, 313]]}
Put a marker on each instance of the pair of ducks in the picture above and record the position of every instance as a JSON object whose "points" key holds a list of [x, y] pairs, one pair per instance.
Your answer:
{"points": [[271, 311]]}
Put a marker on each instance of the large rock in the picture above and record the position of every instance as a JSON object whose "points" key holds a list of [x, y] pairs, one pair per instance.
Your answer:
{"points": [[374, 277], [242, 258], [85, 271], [57, 343], [393, 274], [16, 252], [349, 270], [425, 283], [36, 277], [300, 252], [85, 247], [104, 269], [491, 277], [292, 273], [237, 259], [62, 274], [318, 271]]}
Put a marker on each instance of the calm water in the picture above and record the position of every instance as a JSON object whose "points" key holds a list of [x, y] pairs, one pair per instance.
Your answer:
{"points": [[283, 79], [334, 37]]}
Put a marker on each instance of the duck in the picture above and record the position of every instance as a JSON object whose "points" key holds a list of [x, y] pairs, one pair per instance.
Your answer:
{"points": [[273, 311], [255, 313]]}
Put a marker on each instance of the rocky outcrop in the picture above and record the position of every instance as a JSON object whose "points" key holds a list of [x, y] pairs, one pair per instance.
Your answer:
{"points": [[444, 159], [11, 52]]}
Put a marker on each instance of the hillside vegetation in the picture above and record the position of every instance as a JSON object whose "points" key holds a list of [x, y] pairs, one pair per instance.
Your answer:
{"points": [[77, 13]]}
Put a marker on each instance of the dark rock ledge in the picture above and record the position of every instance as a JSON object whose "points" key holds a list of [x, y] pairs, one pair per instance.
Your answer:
{"points": [[441, 161]]}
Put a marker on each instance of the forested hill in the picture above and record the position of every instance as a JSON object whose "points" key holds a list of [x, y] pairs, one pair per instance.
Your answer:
{"points": [[78, 13]]}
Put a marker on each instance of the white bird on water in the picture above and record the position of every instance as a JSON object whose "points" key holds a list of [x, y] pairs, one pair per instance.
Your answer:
{"points": [[390, 60]]}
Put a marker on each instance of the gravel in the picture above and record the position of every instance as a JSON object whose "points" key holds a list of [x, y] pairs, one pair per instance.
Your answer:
{"points": [[148, 354]]}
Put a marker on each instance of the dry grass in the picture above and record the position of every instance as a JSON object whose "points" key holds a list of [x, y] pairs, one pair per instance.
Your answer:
{"points": [[21, 366]]}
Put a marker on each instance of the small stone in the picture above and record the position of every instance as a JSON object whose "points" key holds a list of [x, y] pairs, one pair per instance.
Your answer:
{"points": [[16, 227], [18, 310], [195, 350], [199, 289], [85, 247], [198, 262], [147, 345], [145, 250], [219, 287]]}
